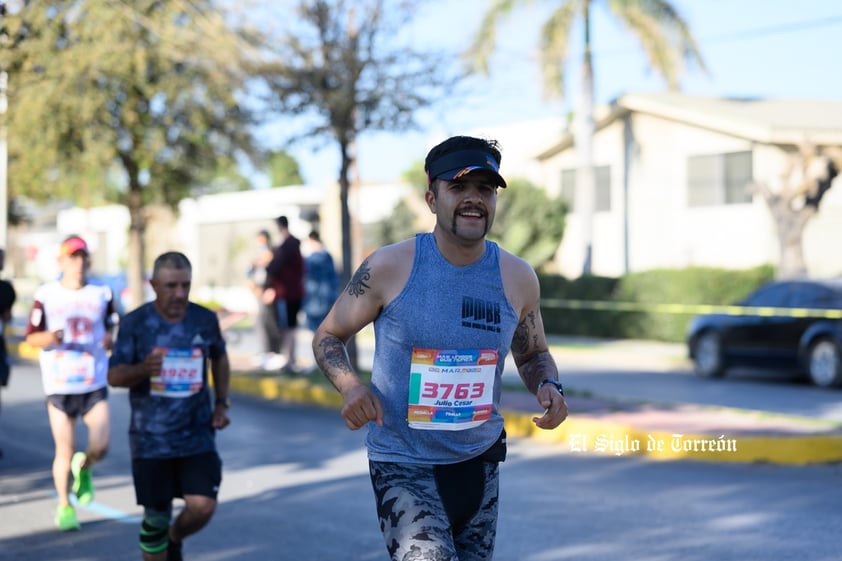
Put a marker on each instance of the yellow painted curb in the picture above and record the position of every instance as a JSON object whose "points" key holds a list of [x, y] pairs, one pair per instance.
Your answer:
{"points": [[276, 387], [593, 436], [25, 350]]}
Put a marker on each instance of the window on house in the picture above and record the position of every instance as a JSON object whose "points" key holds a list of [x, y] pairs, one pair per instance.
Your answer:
{"points": [[602, 178], [719, 179], [568, 187]]}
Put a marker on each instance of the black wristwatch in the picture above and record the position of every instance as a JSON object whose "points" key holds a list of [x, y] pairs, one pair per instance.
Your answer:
{"points": [[555, 383], [225, 402]]}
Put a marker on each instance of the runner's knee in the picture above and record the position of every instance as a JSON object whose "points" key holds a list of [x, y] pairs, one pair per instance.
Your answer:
{"points": [[97, 454], [154, 537], [200, 506]]}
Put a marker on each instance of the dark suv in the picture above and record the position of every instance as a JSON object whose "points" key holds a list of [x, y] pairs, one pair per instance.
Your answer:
{"points": [[792, 325]]}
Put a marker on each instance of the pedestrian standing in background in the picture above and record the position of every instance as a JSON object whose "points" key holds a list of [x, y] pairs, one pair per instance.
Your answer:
{"points": [[447, 308], [269, 334], [286, 277], [162, 354], [321, 281], [71, 322], [7, 301]]}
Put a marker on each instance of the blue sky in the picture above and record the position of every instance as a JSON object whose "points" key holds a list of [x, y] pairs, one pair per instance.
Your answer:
{"points": [[752, 48]]}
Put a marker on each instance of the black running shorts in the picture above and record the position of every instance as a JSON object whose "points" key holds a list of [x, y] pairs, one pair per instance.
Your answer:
{"points": [[74, 405], [157, 481]]}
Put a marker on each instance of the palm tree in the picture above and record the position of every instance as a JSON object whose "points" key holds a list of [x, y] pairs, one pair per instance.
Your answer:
{"points": [[663, 35]]}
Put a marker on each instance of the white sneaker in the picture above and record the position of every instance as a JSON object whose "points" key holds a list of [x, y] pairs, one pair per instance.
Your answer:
{"points": [[275, 362], [259, 360]]}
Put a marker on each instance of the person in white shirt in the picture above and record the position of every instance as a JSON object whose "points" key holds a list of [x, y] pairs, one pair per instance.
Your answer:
{"points": [[71, 322]]}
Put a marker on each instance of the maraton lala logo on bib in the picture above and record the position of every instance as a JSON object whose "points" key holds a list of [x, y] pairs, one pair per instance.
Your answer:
{"points": [[480, 314]]}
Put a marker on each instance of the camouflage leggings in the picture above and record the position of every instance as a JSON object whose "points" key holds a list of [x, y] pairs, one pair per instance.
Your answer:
{"points": [[437, 513]]}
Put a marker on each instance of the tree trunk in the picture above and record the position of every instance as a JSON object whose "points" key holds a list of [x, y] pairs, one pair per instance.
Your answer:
{"points": [[585, 196], [137, 253], [790, 225], [347, 255]]}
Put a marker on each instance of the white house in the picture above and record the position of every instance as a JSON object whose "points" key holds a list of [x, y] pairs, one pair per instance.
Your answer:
{"points": [[217, 232], [672, 183]]}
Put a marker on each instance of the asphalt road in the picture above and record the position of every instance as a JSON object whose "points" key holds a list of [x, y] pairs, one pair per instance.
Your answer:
{"points": [[296, 487]]}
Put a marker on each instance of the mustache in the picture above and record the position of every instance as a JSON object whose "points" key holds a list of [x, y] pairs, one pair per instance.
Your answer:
{"points": [[472, 208]]}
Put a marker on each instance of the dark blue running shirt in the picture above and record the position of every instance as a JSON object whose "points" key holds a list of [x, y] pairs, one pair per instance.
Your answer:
{"points": [[162, 426]]}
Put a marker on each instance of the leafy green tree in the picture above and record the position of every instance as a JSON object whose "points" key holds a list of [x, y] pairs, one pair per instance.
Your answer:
{"points": [[148, 86], [343, 70], [402, 222], [416, 176], [283, 169], [400, 225], [664, 37], [529, 223], [224, 177]]}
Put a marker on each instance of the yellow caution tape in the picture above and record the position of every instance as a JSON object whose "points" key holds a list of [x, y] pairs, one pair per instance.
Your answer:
{"points": [[691, 308]]}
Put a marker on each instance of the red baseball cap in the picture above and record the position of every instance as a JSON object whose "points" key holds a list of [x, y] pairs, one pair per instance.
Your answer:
{"points": [[72, 245]]}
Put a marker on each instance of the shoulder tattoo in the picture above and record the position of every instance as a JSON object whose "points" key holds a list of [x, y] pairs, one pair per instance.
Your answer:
{"points": [[358, 286]]}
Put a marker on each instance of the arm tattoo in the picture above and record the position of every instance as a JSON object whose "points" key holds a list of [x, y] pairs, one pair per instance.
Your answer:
{"points": [[332, 358], [536, 369], [357, 286], [525, 338], [533, 364], [520, 340]]}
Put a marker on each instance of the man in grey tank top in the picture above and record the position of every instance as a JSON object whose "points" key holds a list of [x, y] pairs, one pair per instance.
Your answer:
{"points": [[447, 306]]}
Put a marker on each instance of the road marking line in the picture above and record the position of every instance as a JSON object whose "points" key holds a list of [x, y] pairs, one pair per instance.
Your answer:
{"points": [[105, 511]]}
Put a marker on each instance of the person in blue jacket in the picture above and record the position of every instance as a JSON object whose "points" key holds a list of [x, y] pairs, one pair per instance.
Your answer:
{"points": [[320, 281]]}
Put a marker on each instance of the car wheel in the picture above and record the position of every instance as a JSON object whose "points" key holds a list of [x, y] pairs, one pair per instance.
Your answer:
{"points": [[824, 364], [708, 355]]}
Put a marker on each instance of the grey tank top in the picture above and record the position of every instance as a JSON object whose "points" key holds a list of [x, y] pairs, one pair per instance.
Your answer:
{"points": [[442, 306]]}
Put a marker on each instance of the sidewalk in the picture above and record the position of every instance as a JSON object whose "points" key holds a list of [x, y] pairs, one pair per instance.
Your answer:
{"points": [[610, 426]]}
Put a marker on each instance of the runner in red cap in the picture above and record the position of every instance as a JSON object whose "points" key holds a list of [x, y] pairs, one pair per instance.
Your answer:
{"points": [[71, 322]]}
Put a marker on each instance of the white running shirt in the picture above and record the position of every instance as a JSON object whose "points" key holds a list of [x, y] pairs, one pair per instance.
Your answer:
{"points": [[80, 363]]}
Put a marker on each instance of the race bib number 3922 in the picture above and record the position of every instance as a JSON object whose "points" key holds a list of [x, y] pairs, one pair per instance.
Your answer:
{"points": [[181, 373]]}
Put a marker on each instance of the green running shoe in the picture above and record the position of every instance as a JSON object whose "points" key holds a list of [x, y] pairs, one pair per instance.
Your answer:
{"points": [[66, 518], [83, 485]]}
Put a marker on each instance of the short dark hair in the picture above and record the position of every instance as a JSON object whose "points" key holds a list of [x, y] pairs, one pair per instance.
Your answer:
{"points": [[171, 260], [314, 235], [265, 235], [282, 221]]}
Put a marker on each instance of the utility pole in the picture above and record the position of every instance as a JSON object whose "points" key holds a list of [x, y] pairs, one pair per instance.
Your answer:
{"points": [[4, 153], [4, 160]]}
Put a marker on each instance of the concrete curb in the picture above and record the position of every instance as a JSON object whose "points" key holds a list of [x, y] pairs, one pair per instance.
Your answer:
{"points": [[586, 434]]}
